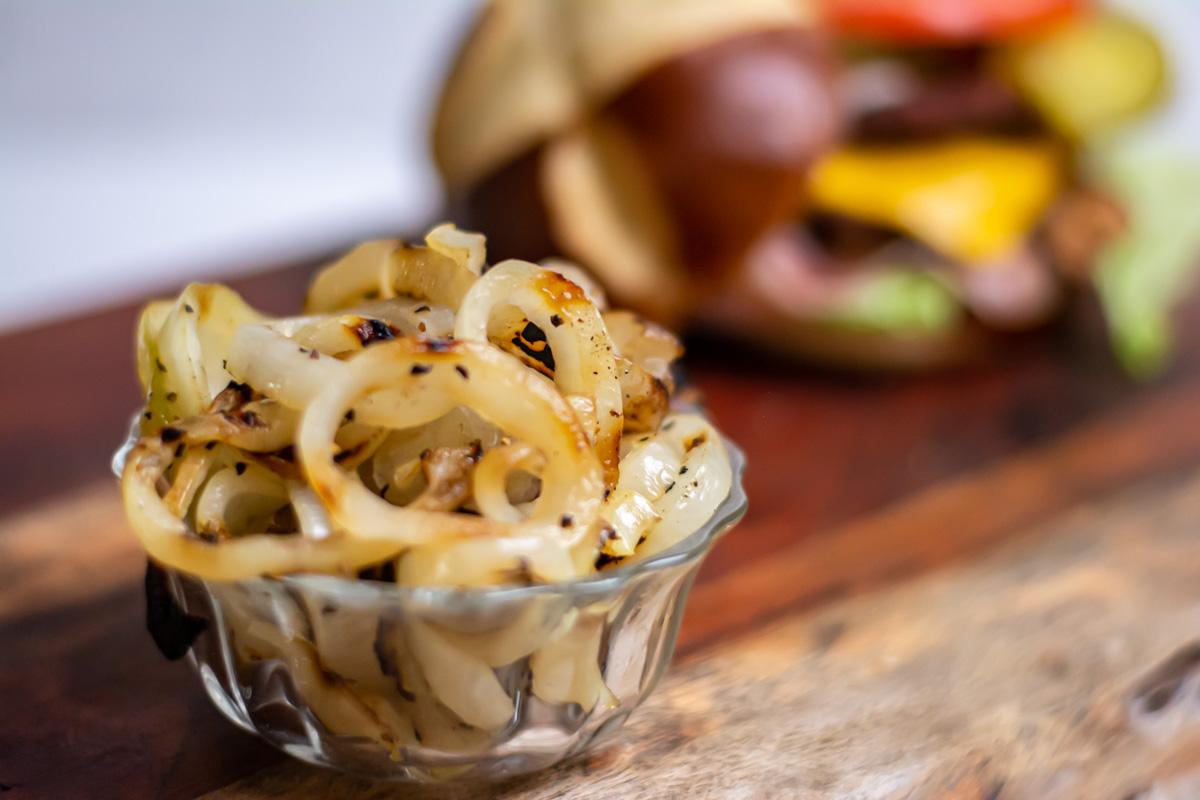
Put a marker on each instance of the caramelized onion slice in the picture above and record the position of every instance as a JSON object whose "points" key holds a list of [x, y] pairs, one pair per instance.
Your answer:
{"points": [[567, 670], [358, 276], [185, 359], [703, 482], [582, 352], [412, 382], [464, 247], [168, 540], [385, 269]]}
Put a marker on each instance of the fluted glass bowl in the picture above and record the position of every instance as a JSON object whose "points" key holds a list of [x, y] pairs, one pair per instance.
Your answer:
{"points": [[436, 684]]}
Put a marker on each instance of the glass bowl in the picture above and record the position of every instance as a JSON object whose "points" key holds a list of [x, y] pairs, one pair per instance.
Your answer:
{"points": [[436, 684]]}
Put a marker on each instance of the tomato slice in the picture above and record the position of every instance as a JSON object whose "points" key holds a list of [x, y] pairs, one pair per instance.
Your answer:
{"points": [[946, 21]]}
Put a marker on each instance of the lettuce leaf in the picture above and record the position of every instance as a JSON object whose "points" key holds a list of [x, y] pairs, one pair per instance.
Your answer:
{"points": [[1142, 275], [897, 300]]}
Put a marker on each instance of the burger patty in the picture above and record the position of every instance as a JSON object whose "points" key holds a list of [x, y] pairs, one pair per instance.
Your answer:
{"points": [[898, 99]]}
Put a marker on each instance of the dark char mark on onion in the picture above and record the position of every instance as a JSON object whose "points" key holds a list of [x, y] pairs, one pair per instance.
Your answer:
{"points": [[370, 331], [532, 342]]}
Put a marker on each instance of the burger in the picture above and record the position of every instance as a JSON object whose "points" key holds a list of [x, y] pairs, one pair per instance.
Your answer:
{"points": [[872, 183]]}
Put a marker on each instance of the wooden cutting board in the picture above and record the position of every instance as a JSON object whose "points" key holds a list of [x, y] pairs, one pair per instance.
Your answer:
{"points": [[1065, 665], [976, 585]]}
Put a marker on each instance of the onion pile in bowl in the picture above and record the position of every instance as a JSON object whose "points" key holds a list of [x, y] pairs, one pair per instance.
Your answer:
{"points": [[429, 419]]}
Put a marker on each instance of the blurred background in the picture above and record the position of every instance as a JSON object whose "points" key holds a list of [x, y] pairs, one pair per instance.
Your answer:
{"points": [[143, 144]]}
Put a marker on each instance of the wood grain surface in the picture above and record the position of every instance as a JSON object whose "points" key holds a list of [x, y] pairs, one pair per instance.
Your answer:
{"points": [[1065, 666], [868, 496]]}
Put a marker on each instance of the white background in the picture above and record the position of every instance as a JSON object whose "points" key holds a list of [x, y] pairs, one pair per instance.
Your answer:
{"points": [[144, 143]]}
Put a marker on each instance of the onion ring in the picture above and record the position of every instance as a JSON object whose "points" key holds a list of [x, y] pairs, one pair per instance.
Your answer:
{"points": [[414, 382]]}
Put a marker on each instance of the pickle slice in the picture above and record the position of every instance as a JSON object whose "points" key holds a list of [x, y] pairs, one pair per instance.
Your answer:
{"points": [[1090, 75]]}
